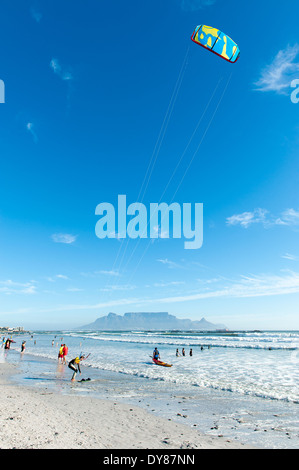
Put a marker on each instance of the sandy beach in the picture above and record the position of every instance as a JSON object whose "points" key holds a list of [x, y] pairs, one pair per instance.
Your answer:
{"points": [[42, 419]]}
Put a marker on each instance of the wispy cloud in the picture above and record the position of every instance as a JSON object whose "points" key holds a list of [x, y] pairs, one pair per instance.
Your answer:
{"points": [[126, 287], [30, 128], [118, 235], [57, 276], [248, 286], [110, 272], [103, 272], [247, 218], [62, 72], [290, 257], [193, 5], [169, 284], [66, 238], [170, 264], [65, 74], [10, 287], [289, 217], [36, 15], [211, 281], [159, 232], [252, 286], [278, 75]]}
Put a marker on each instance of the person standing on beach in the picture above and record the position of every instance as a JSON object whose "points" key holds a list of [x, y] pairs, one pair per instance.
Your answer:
{"points": [[177, 353], [64, 352], [74, 365], [23, 346], [191, 353], [60, 354], [183, 352]]}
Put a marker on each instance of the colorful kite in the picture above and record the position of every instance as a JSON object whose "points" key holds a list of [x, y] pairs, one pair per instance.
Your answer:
{"points": [[216, 41]]}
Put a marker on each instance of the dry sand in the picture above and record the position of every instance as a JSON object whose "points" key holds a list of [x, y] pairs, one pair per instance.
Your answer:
{"points": [[41, 419]]}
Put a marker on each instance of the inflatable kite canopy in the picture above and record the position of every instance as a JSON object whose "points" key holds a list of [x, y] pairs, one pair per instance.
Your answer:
{"points": [[216, 41]]}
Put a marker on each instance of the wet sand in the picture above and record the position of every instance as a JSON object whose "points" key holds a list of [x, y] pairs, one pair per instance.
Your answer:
{"points": [[42, 419]]}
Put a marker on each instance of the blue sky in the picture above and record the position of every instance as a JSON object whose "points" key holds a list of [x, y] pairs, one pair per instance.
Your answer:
{"points": [[109, 98]]}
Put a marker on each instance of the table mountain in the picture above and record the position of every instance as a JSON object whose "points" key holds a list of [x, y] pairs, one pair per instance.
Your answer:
{"points": [[149, 321]]}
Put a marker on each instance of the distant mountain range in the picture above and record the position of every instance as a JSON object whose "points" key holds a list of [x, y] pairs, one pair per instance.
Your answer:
{"points": [[149, 321]]}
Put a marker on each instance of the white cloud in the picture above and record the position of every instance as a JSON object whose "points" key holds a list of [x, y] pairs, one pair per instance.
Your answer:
{"points": [[30, 128], [64, 74], [290, 257], [289, 217], [160, 233], [245, 287], [248, 218], [66, 238], [248, 286], [36, 15], [57, 276], [170, 264], [169, 284], [54, 64], [278, 75], [108, 273], [210, 281], [95, 274], [118, 236], [118, 288], [60, 71], [10, 287]]}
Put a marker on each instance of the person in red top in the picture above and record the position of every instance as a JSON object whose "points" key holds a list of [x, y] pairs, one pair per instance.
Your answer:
{"points": [[64, 353], [8, 343]]}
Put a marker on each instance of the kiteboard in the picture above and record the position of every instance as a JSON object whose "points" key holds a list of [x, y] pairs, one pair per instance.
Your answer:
{"points": [[160, 363]]}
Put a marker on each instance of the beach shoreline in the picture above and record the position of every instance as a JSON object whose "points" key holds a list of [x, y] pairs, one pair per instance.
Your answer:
{"points": [[240, 418], [39, 418]]}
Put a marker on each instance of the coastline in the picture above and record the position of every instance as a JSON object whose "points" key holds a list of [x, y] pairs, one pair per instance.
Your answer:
{"points": [[39, 418]]}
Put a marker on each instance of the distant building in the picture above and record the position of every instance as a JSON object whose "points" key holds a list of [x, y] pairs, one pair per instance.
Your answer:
{"points": [[9, 329]]}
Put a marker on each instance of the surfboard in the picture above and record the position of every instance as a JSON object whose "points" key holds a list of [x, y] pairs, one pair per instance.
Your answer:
{"points": [[160, 363]]}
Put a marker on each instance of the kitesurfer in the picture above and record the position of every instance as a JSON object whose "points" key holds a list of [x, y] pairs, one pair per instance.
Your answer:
{"points": [[156, 354], [74, 364]]}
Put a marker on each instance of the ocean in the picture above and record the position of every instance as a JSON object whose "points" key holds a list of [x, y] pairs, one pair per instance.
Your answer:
{"points": [[242, 384]]}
